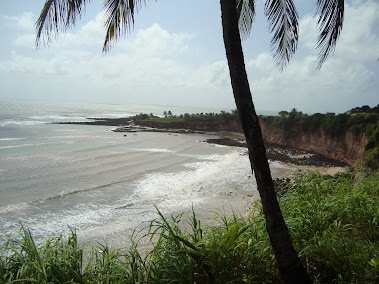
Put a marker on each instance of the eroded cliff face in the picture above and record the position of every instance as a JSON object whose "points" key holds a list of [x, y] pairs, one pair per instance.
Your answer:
{"points": [[231, 126], [348, 149]]}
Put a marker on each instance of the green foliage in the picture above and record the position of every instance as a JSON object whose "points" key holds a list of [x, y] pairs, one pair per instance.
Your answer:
{"points": [[333, 223], [59, 260], [231, 252], [165, 120], [371, 153], [198, 121], [363, 122], [335, 126]]}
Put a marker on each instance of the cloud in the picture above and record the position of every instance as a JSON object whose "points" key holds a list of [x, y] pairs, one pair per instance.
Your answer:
{"points": [[24, 22], [93, 32], [344, 81], [214, 75], [155, 41], [152, 59], [25, 41], [358, 38], [155, 65], [263, 62], [21, 27]]}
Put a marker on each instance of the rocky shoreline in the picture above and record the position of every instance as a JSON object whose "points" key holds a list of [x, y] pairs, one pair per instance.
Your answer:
{"points": [[283, 154], [274, 152]]}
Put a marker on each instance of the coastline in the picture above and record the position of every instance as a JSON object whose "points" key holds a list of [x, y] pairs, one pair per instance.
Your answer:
{"points": [[296, 161], [237, 197], [301, 159]]}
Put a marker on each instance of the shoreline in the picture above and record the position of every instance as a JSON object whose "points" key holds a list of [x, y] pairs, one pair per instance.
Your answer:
{"points": [[235, 198], [284, 154], [300, 159]]}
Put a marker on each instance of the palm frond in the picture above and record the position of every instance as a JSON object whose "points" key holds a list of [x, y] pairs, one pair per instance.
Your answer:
{"points": [[56, 16], [120, 18], [283, 21], [246, 14], [330, 24]]}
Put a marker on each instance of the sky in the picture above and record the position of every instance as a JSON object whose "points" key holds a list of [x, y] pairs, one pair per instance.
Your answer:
{"points": [[175, 56]]}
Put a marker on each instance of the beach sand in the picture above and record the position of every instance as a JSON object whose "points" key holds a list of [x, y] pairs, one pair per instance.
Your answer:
{"points": [[239, 198]]}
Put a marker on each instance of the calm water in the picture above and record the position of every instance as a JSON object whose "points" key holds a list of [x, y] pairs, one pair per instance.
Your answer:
{"points": [[100, 182]]}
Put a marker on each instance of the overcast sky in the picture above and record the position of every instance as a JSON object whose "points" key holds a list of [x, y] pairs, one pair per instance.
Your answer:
{"points": [[175, 56]]}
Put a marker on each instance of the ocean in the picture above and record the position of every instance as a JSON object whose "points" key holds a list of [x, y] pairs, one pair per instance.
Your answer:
{"points": [[103, 184]]}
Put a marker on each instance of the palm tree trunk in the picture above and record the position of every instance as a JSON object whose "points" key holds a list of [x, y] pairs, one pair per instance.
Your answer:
{"points": [[289, 264]]}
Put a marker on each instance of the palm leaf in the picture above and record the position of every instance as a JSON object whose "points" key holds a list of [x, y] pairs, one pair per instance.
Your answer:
{"points": [[330, 24], [283, 21], [246, 14], [120, 18], [56, 16]]}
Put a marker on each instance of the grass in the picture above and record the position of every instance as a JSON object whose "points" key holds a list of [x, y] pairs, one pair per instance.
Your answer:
{"points": [[333, 223]]}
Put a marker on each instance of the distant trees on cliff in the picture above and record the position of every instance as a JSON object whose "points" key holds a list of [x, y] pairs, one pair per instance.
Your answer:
{"points": [[355, 120], [222, 116], [358, 120]]}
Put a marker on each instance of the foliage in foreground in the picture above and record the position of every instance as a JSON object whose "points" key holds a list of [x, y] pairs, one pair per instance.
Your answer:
{"points": [[333, 223]]}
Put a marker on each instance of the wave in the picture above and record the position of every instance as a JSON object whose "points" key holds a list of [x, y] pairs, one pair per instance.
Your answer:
{"points": [[209, 168], [29, 157], [23, 205], [16, 146], [25, 145], [57, 117], [12, 122], [11, 139], [39, 119], [153, 150], [116, 115]]}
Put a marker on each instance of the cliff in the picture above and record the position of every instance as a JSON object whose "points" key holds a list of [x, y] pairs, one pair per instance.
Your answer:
{"points": [[348, 148]]}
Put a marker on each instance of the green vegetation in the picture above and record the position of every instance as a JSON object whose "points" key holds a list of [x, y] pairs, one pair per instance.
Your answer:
{"points": [[198, 121], [371, 153], [162, 120], [333, 223], [59, 260], [290, 124]]}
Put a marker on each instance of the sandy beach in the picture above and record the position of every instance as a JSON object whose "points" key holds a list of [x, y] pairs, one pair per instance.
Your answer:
{"points": [[239, 199]]}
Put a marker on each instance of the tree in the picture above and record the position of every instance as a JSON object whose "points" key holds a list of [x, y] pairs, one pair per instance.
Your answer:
{"points": [[283, 113], [237, 18]]}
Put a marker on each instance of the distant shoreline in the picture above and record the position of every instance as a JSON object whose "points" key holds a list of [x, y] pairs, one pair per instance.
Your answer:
{"points": [[275, 152]]}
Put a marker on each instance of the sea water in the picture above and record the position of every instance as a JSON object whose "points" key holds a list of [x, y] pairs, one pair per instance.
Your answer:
{"points": [[104, 184]]}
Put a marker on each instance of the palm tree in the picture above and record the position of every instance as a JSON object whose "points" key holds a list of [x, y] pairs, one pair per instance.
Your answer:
{"points": [[237, 18]]}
